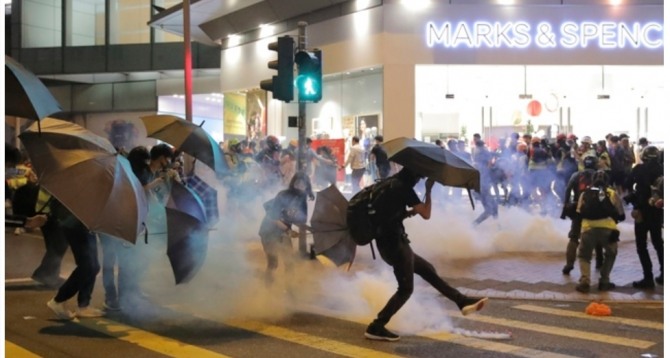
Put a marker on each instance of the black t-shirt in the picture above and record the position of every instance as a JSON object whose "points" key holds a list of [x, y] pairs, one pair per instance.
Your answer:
{"points": [[381, 158], [400, 196]]}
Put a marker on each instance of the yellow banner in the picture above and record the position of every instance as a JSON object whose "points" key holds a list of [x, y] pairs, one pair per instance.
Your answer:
{"points": [[234, 114]]}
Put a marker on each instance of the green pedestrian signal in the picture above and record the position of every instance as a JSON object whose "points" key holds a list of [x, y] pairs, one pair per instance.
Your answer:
{"points": [[309, 80]]}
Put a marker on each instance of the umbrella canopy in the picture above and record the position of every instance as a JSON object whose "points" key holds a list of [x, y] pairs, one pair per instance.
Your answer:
{"points": [[187, 232], [208, 195], [329, 227], [95, 184], [188, 138], [25, 95], [432, 161]]}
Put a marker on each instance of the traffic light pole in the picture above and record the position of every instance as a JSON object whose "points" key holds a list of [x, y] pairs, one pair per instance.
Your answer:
{"points": [[301, 162]]}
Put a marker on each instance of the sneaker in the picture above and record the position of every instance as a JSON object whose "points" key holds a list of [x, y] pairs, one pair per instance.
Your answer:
{"points": [[111, 305], [659, 280], [60, 310], [644, 284], [471, 304], [606, 286], [583, 288], [89, 312], [567, 269], [380, 333]]}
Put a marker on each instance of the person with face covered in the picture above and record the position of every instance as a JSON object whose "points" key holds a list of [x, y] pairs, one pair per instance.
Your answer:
{"points": [[288, 208], [393, 246]]}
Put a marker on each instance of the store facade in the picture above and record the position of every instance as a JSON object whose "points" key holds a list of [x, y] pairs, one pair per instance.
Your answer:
{"points": [[453, 70]]}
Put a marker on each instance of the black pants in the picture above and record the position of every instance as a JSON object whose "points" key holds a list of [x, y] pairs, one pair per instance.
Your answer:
{"points": [[84, 248], [395, 251], [652, 224], [56, 245], [356, 176]]}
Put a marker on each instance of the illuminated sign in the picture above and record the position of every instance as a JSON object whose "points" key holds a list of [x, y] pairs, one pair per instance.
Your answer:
{"points": [[521, 34]]}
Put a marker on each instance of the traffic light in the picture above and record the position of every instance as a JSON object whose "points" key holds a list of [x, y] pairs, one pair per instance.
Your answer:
{"points": [[309, 80], [281, 85]]}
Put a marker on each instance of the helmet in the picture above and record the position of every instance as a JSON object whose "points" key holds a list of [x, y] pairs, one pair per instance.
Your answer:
{"points": [[535, 140], [273, 142], [521, 146], [600, 178], [650, 154], [590, 162], [561, 137], [572, 136], [587, 139]]}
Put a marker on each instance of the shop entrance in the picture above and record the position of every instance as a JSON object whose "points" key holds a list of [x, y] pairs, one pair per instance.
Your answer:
{"points": [[460, 100]]}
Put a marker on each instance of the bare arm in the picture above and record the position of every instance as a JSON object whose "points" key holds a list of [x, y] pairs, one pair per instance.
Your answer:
{"points": [[424, 209]]}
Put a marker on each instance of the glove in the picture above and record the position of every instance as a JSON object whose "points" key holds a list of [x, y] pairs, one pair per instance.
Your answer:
{"points": [[564, 213]]}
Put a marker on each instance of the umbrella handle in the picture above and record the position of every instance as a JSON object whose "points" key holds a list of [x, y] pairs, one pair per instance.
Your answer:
{"points": [[471, 201], [372, 248]]}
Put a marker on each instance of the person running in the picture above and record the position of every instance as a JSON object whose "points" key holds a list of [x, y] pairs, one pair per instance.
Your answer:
{"points": [[393, 246]]}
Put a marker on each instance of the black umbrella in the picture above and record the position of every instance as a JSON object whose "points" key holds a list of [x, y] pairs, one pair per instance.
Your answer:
{"points": [[187, 137], [187, 232], [25, 95], [434, 162], [329, 228]]}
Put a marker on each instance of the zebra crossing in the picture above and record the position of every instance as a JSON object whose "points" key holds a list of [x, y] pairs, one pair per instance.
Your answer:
{"points": [[526, 322]]}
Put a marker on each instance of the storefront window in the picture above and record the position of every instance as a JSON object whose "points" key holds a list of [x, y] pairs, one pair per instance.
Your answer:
{"points": [[85, 24], [541, 100], [128, 22], [351, 105], [41, 23]]}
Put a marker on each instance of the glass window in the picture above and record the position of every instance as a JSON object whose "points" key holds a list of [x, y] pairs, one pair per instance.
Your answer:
{"points": [[41, 23], [85, 23], [164, 36], [128, 22]]}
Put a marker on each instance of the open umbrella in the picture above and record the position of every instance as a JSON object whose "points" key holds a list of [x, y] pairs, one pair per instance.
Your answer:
{"points": [[329, 227], [94, 183], [188, 138], [187, 232], [432, 161], [25, 95]]}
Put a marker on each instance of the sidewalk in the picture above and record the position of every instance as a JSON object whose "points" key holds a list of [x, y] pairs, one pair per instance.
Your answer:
{"points": [[538, 276]]}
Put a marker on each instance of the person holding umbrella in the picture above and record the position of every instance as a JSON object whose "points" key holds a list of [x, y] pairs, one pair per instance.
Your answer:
{"points": [[289, 207], [84, 246], [393, 246]]}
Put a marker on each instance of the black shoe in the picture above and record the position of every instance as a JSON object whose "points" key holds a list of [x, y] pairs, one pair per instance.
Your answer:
{"points": [[567, 269], [472, 304], [583, 288], [659, 280], [644, 284], [380, 333], [606, 286]]}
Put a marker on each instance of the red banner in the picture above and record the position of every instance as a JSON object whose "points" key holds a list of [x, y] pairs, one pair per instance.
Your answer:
{"points": [[337, 147]]}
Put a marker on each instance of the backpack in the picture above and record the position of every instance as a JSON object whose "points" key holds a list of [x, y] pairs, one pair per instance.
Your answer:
{"points": [[596, 205], [368, 209]]}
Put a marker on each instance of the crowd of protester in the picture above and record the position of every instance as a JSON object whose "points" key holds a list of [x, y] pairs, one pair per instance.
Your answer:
{"points": [[536, 174]]}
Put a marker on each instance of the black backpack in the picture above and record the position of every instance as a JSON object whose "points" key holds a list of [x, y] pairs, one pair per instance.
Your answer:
{"points": [[368, 209], [596, 205]]}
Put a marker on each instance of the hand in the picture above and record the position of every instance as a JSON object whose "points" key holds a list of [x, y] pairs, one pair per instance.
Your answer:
{"points": [[659, 203], [429, 185], [563, 214], [36, 221]]}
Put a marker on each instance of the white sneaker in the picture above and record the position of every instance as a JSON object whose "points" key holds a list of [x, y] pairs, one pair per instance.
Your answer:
{"points": [[89, 312], [60, 310]]}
